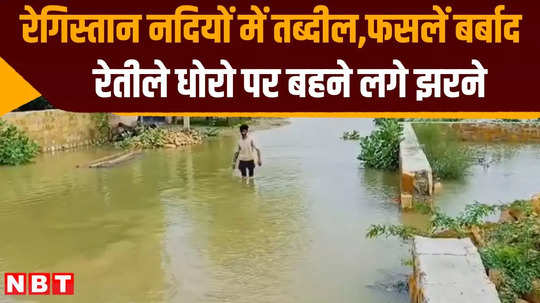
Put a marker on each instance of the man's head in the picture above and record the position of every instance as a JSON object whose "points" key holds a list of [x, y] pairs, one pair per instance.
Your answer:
{"points": [[244, 130]]}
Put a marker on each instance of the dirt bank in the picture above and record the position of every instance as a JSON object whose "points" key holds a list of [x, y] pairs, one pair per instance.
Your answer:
{"points": [[255, 124]]}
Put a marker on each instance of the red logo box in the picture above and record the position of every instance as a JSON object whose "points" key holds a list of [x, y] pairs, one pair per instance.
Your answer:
{"points": [[39, 283], [63, 283], [15, 283]]}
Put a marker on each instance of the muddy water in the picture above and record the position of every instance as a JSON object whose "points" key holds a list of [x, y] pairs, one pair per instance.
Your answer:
{"points": [[178, 226], [507, 172]]}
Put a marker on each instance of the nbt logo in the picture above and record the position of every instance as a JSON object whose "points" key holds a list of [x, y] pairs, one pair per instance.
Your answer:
{"points": [[38, 283]]}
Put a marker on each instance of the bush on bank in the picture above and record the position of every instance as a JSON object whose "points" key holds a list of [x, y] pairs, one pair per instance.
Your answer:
{"points": [[103, 127], [145, 137], [15, 146], [511, 248], [381, 148], [351, 135], [448, 158], [219, 121]]}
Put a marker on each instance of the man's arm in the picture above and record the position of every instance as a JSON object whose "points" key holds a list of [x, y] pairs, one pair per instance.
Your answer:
{"points": [[235, 157]]}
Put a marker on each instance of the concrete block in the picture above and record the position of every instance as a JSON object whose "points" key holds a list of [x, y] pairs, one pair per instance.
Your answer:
{"points": [[445, 294], [457, 247], [437, 187], [449, 271], [406, 201], [407, 182], [415, 170]]}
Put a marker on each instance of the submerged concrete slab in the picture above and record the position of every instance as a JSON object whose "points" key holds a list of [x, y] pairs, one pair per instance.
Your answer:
{"points": [[449, 271], [416, 174]]}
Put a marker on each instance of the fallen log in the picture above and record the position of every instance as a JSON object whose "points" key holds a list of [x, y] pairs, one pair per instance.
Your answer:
{"points": [[114, 159]]}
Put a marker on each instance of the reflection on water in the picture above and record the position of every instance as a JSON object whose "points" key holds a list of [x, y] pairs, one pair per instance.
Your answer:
{"points": [[506, 172], [177, 226]]}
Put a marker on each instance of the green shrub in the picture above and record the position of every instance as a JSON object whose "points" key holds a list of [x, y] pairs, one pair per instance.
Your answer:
{"points": [[15, 146], [381, 148], [351, 135], [144, 137], [211, 132], [381, 121], [449, 158], [513, 249], [219, 121], [102, 126], [517, 266]]}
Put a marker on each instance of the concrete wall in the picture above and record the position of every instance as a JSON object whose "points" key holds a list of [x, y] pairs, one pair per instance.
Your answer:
{"points": [[498, 132], [449, 271], [56, 129], [416, 180]]}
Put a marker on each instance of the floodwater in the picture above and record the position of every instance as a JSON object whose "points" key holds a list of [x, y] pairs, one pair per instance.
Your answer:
{"points": [[507, 172], [178, 226]]}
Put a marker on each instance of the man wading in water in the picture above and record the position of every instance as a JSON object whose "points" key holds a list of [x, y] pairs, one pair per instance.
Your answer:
{"points": [[244, 154]]}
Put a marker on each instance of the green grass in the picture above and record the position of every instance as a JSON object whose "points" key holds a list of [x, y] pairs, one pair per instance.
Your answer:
{"points": [[448, 157]]}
